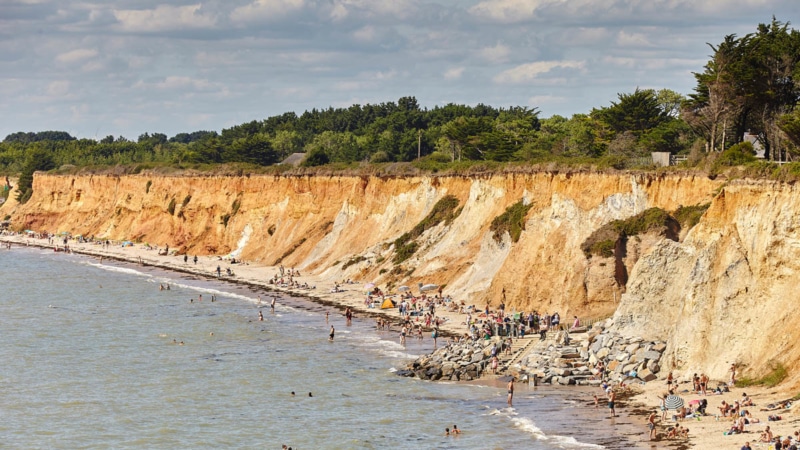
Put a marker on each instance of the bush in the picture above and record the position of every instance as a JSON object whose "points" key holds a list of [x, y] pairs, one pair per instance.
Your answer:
{"points": [[235, 206], [354, 260], [443, 211], [171, 207], [737, 155], [147, 186], [186, 201], [602, 241], [316, 157], [689, 216], [379, 157], [511, 221]]}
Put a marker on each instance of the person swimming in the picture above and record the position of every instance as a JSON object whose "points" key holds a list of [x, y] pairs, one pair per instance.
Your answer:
{"points": [[260, 317]]}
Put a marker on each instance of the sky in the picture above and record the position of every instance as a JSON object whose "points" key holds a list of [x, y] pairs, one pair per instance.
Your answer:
{"points": [[124, 67]]}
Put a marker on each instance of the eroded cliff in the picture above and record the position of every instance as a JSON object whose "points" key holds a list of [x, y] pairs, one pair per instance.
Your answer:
{"points": [[345, 226]]}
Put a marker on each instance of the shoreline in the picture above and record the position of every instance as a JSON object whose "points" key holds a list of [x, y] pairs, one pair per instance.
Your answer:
{"points": [[247, 274]]}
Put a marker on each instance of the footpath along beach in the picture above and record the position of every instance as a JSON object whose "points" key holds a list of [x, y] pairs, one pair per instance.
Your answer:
{"points": [[704, 432]]}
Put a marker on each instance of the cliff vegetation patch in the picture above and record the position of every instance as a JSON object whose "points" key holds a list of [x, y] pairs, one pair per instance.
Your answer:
{"points": [[444, 211], [603, 241], [511, 221], [689, 216]]}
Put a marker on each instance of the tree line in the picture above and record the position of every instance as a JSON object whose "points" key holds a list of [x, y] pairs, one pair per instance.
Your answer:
{"points": [[748, 85]]}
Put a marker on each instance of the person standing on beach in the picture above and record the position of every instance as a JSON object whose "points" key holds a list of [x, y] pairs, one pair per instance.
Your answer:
{"points": [[272, 305], [733, 374], [510, 391], [651, 424], [611, 397], [185, 259], [195, 259], [219, 272]]}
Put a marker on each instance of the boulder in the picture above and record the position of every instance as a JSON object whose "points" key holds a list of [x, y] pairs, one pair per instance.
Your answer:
{"points": [[602, 353], [660, 347], [652, 355], [646, 375]]}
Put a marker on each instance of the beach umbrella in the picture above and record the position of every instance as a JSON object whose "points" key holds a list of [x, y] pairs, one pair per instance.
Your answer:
{"points": [[403, 289], [429, 287], [673, 402]]}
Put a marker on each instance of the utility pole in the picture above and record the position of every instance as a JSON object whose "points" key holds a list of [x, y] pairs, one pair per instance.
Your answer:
{"points": [[419, 143]]}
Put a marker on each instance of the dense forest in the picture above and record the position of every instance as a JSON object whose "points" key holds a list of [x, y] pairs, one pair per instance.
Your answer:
{"points": [[748, 85]]}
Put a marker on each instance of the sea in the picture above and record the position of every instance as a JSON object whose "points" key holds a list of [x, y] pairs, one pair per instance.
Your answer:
{"points": [[95, 355]]}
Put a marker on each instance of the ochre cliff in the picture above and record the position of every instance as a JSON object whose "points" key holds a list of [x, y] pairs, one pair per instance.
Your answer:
{"points": [[727, 293], [320, 223]]}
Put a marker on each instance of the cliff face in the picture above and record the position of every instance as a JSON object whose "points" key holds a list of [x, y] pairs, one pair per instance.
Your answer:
{"points": [[321, 224], [728, 292]]}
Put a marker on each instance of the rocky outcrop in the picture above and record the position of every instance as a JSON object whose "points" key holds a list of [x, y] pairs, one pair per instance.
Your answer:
{"points": [[464, 361], [574, 362]]}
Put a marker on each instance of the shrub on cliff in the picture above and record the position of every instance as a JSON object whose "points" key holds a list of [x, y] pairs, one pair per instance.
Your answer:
{"points": [[737, 155], [511, 221], [603, 240], [443, 211], [37, 159]]}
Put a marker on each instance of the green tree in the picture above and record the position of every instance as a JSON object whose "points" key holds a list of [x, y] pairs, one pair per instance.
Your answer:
{"points": [[37, 159]]}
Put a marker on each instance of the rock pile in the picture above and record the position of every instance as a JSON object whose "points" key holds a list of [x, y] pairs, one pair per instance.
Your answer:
{"points": [[575, 363], [463, 361]]}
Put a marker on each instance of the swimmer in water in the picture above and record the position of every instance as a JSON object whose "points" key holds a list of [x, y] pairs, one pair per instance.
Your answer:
{"points": [[292, 393], [272, 305], [160, 287], [455, 429], [309, 394], [260, 317], [326, 317], [332, 333]]}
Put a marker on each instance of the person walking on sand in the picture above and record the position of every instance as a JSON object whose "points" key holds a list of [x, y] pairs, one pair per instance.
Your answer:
{"points": [[510, 391], [611, 397], [333, 331], [651, 424]]}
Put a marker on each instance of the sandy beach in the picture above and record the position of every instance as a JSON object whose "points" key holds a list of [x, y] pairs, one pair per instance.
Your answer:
{"points": [[351, 295], [705, 432]]}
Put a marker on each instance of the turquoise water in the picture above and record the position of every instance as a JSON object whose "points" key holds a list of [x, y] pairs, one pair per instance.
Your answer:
{"points": [[91, 358]]}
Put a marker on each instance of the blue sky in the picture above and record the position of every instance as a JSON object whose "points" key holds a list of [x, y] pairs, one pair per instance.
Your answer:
{"points": [[125, 67]]}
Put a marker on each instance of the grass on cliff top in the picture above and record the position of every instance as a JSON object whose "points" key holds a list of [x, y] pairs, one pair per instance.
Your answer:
{"points": [[774, 377], [603, 240], [511, 221], [443, 211]]}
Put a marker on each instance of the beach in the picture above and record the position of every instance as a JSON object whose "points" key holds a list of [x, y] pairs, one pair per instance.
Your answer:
{"points": [[704, 433]]}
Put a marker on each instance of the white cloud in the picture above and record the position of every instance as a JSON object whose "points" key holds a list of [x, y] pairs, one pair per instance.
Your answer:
{"points": [[506, 10], [268, 10], [164, 18], [178, 83], [538, 100], [497, 54], [454, 73], [58, 88], [79, 54], [626, 39], [531, 71]]}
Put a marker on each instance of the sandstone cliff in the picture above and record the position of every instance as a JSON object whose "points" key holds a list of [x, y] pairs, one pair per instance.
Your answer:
{"points": [[322, 224], [727, 293]]}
